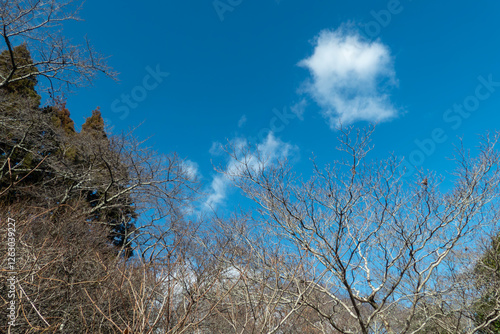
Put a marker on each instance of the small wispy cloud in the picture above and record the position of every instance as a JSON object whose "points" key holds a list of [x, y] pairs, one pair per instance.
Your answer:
{"points": [[266, 153], [216, 149], [350, 77], [219, 187], [192, 169], [242, 121]]}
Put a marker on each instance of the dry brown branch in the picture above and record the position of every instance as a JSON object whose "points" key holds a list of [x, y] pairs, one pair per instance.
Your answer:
{"points": [[38, 23], [378, 244]]}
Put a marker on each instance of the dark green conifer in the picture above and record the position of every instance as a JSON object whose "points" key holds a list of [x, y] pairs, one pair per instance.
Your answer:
{"points": [[23, 66]]}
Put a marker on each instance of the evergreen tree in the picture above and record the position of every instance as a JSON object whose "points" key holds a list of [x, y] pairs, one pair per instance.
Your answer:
{"points": [[94, 124], [487, 274], [45, 162], [62, 119], [24, 88]]}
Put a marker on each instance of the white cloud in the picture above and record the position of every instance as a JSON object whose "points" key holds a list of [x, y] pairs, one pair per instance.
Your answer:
{"points": [[266, 153], [347, 73], [242, 121], [218, 191], [191, 168], [216, 149]]}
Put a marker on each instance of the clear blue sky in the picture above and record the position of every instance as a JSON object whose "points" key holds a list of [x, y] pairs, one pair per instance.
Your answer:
{"points": [[234, 64]]}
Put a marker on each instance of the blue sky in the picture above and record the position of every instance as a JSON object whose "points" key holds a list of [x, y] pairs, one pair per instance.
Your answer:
{"points": [[427, 72]]}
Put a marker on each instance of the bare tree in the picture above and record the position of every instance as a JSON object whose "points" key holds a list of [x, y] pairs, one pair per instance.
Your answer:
{"points": [[38, 25], [262, 299], [46, 163], [380, 245], [68, 190], [57, 262]]}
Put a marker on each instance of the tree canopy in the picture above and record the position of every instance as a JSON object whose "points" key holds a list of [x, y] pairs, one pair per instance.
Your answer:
{"points": [[110, 238]]}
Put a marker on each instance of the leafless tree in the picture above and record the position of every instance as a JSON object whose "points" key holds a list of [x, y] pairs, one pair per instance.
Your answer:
{"points": [[38, 25], [47, 164], [262, 300], [56, 262], [380, 244]]}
